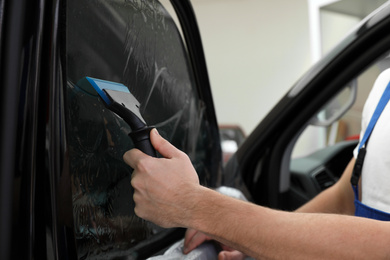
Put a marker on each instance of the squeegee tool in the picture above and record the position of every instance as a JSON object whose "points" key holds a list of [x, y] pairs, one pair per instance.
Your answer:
{"points": [[119, 100]]}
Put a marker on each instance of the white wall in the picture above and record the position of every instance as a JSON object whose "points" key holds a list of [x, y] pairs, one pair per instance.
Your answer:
{"points": [[335, 26], [255, 50]]}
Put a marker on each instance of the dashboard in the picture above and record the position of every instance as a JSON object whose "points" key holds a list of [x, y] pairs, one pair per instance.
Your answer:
{"points": [[320, 170]]}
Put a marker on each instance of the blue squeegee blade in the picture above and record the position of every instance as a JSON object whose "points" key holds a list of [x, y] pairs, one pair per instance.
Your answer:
{"points": [[99, 85]]}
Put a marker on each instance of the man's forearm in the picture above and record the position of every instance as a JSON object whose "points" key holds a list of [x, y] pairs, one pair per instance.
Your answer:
{"points": [[269, 234], [167, 192], [337, 199]]}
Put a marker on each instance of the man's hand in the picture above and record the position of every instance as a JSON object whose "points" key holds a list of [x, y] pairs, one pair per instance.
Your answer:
{"points": [[195, 238], [163, 187]]}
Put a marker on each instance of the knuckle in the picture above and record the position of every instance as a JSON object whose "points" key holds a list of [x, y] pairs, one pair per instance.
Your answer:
{"points": [[134, 182], [143, 165], [138, 211], [182, 155], [136, 198], [128, 155]]}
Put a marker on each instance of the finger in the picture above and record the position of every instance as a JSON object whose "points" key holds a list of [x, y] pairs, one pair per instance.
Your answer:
{"points": [[166, 149], [132, 156], [188, 236], [232, 255], [197, 239]]}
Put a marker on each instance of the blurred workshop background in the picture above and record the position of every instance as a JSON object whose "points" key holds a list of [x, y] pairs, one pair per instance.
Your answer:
{"points": [[257, 49]]}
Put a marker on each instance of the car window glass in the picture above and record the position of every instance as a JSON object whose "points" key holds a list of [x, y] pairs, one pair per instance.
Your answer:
{"points": [[136, 43], [348, 126], [321, 153]]}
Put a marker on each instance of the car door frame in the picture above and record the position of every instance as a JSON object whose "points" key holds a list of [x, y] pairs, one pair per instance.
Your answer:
{"points": [[41, 234]]}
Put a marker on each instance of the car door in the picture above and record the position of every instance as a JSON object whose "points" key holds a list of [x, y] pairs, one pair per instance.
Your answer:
{"points": [[265, 160], [135, 43], [66, 191]]}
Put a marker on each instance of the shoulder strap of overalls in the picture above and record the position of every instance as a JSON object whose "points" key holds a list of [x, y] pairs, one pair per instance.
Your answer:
{"points": [[363, 143]]}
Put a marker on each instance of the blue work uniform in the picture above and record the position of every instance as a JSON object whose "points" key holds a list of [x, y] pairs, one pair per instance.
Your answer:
{"points": [[361, 209]]}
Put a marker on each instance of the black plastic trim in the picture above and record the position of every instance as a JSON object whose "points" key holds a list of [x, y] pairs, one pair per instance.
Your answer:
{"points": [[11, 43], [186, 16]]}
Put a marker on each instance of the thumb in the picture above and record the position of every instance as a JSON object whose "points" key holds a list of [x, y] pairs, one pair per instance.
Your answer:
{"points": [[165, 148], [232, 255]]}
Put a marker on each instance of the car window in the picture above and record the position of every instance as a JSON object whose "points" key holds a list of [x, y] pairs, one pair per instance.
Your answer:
{"points": [[135, 43], [317, 166], [346, 127]]}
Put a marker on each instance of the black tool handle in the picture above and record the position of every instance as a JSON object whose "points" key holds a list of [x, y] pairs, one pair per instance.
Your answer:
{"points": [[141, 140]]}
